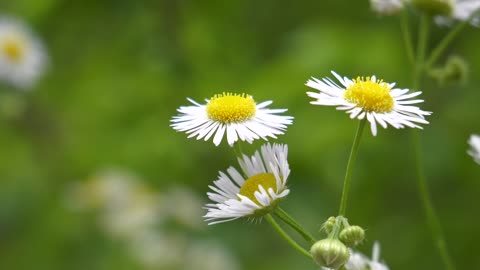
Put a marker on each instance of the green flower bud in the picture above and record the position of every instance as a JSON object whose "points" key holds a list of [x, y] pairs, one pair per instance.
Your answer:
{"points": [[455, 71], [329, 224], [331, 253], [352, 235], [435, 7]]}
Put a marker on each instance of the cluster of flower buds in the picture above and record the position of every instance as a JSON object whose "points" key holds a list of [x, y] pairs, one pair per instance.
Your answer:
{"points": [[333, 252]]}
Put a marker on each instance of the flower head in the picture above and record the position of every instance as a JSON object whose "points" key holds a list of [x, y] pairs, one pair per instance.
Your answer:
{"points": [[387, 7], [462, 10], [368, 97], [254, 195], [22, 56], [474, 142], [237, 115]]}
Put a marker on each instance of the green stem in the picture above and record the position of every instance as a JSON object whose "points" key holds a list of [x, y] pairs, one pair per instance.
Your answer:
{"points": [[285, 236], [432, 218], [351, 161], [442, 46], [407, 37], [237, 148], [285, 217], [421, 49]]}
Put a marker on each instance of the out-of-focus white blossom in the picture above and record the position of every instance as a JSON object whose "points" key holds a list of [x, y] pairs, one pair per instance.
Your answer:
{"points": [[22, 55]]}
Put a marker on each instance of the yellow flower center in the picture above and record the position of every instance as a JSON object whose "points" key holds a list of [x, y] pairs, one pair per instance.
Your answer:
{"points": [[370, 95], [266, 180], [228, 108], [13, 49]]}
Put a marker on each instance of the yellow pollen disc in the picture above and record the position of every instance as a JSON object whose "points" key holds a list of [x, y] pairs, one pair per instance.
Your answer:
{"points": [[266, 180], [229, 108], [371, 96], [13, 49]]}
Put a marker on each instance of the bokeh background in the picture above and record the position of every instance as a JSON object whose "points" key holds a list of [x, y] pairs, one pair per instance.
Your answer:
{"points": [[119, 69]]}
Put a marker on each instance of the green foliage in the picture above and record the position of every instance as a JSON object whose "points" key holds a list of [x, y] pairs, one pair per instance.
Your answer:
{"points": [[119, 70]]}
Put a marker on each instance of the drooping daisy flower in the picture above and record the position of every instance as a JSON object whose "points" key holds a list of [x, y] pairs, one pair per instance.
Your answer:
{"points": [[358, 261], [237, 115], [368, 97], [22, 56], [474, 142], [255, 195], [387, 7], [462, 10]]}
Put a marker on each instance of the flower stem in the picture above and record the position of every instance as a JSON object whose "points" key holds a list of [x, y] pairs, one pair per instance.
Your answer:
{"points": [[285, 236], [351, 161], [237, 148], [442, 46], [422, 41], [407, 37], [285, 217], [431, 216]]}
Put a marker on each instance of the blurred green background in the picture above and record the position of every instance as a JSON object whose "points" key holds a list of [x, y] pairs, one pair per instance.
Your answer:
{"points": [[117, 73]]}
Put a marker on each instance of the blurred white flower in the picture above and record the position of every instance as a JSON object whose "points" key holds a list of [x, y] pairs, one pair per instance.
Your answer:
{"points": [[209, 255], [370, 98], [235, 115], [462, 10], [474, 150], [387, 7], [22, 55], [183, 206], [140, 214], [157, 250], [139, 217], [126, 207]]}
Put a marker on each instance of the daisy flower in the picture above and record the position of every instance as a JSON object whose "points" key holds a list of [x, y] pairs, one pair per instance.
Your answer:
{"points": [[254, 195], [22, 56], [474, 142], [374, 99], [387, 7], [462, 10], [236, 115]]}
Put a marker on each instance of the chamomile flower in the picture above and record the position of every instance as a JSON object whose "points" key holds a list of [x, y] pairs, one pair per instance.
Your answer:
{"points": [[255, 195], [22, 56], [370, 98], [462, 10], [237, 116], [474, 151]]}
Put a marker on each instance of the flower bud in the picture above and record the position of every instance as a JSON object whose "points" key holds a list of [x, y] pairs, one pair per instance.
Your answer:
{"points": [[455, 71], [352, 235], [329, 224], [435, 7], [331, 253]]}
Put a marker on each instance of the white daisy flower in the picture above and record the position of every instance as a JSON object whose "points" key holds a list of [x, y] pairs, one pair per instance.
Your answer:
{"points": [[255, 195], [237, 115], [22, 56], [374, 99], [387, 7], [462, 10], [474, 142]]}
